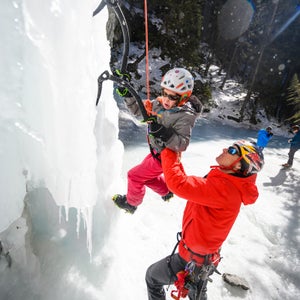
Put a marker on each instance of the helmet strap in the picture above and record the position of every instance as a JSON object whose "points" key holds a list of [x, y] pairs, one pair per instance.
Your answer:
{"points": [[230, 167], [183, 99]]}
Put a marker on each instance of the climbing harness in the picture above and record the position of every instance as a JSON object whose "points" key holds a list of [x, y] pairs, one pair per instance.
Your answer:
{"points": [[123, 78], [180, 284], [193, 279]]}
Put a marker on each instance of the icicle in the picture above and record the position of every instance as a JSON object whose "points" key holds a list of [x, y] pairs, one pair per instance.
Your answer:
{"points": [[89, 229], [59, 214], [87, 215], [78, 222]]}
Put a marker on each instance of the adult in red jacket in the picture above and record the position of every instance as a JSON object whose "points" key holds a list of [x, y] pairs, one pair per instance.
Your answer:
{"points": [[213, 204]]}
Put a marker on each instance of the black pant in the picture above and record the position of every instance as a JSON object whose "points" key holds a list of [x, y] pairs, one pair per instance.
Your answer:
{"points": [[291, 155], [159, 274]]}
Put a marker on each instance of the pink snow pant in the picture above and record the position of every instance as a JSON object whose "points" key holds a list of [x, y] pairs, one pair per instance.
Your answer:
{"points": [[148, 173]]}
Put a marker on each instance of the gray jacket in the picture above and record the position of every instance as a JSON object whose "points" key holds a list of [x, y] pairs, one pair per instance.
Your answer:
{"points": [[182, 119]]}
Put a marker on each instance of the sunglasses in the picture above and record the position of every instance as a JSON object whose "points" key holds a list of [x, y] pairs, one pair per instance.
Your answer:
{"points": [[232, 150], [171, 97]]}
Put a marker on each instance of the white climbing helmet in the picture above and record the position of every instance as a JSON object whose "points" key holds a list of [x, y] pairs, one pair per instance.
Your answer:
{"points": [[179, 81]]}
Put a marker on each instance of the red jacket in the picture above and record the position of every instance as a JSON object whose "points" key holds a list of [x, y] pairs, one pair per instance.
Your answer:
{"points": [[213, 204]]}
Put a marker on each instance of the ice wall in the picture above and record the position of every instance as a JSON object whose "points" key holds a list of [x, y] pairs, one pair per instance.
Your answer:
{"points": [[52, 135], [12, 152]]}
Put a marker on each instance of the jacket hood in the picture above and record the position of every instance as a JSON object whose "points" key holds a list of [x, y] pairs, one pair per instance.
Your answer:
{"points": [[246, 185], [196, 104]]}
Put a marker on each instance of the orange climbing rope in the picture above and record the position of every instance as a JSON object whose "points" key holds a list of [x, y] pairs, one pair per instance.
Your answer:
{"points": [[147, 50]]}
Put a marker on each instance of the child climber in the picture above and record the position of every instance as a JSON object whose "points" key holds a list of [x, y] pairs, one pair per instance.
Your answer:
{"points": [[173, 116]]}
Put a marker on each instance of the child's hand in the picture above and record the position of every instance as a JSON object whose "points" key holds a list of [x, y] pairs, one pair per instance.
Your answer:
{"points": [[160, 131], [123, 91]]}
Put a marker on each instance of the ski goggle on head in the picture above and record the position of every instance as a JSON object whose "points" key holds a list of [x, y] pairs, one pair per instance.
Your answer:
{"points": [[232, 150], [171, 97]]}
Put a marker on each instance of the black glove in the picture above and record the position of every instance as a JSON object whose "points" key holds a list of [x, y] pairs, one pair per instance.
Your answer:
{"points": [[270, 134], [160, 131], [123, 91]]}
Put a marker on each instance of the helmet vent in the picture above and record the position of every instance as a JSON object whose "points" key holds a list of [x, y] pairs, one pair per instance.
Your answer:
{"points": [[178, 80]]}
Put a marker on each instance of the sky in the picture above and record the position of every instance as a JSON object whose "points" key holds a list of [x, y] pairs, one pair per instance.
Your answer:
{"points": [[62, 159]]}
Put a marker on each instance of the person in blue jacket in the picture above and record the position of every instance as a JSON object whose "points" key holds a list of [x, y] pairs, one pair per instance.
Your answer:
{"points": [[263, 137], [295, 146]]}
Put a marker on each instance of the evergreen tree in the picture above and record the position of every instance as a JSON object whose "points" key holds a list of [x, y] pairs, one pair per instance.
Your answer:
{"points": [[293, 99]]}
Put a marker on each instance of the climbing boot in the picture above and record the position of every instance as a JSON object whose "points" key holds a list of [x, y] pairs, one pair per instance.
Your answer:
{"points": [[121, 202], [168, 196]]}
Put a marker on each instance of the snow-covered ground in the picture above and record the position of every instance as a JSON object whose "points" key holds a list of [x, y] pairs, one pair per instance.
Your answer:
{"points": [[263, 246], [60, 156]]}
